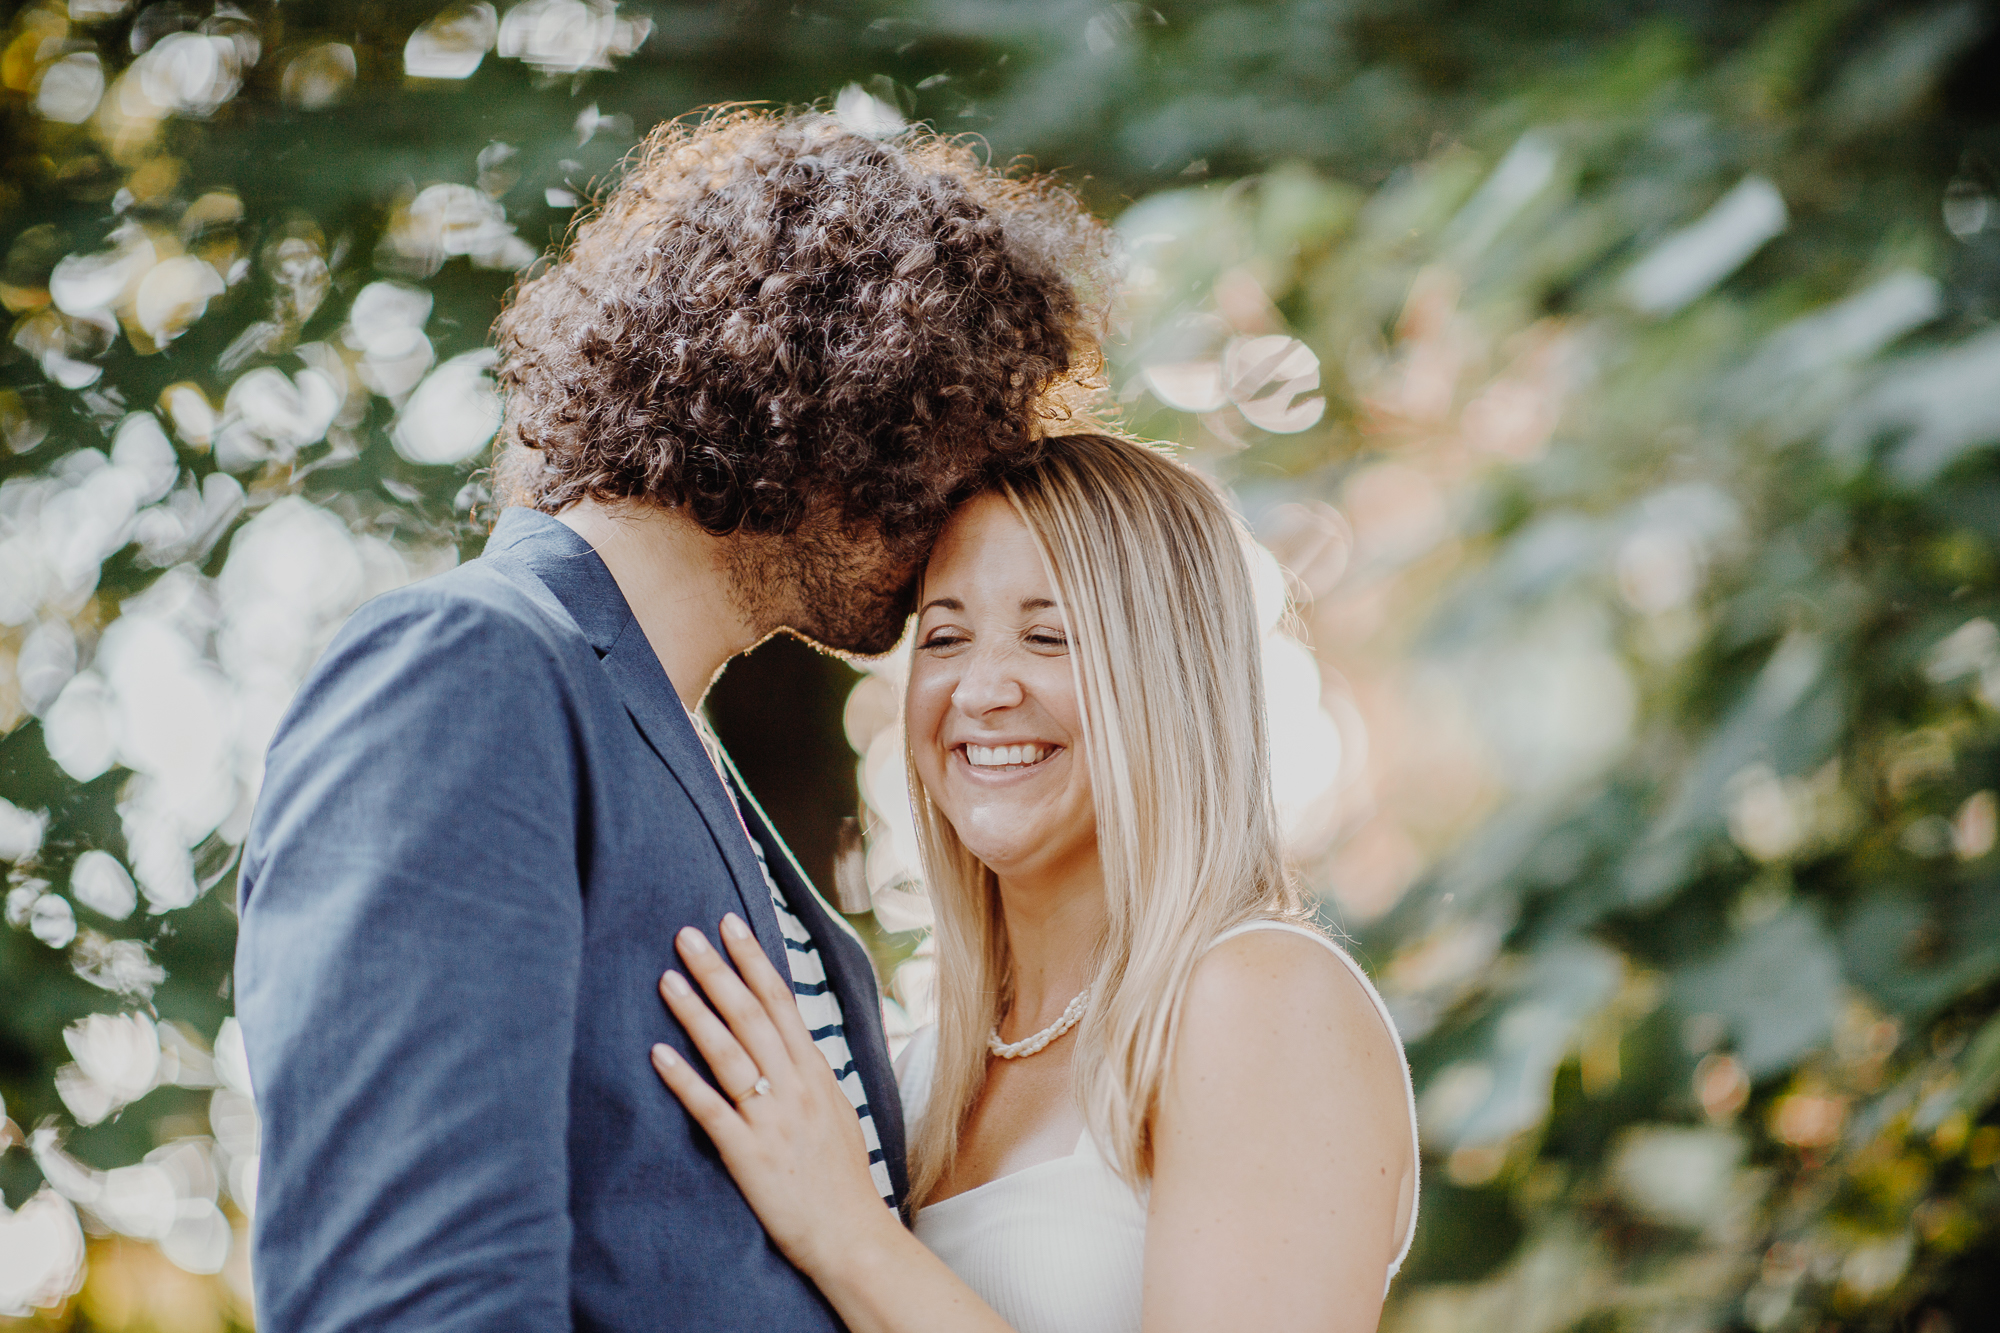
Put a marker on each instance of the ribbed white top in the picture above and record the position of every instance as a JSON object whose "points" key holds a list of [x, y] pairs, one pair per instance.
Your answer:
{"points": [[1060, 1247]]}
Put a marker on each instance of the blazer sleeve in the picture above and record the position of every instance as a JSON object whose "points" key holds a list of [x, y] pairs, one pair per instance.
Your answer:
{"points": [[407, 971]]}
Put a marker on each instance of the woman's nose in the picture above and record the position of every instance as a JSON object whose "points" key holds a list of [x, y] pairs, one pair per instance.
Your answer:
{"points": [[986, 685]]}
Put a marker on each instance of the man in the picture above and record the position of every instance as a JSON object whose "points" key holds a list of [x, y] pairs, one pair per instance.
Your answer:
{"points": [[742, 402]]}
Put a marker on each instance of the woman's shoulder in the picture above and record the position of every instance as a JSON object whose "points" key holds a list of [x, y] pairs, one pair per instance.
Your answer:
{"points": [[1269, 986], [1287, 1064], [1267, 958]]}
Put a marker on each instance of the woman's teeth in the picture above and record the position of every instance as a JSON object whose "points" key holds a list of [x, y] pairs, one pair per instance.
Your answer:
{"points": [[1007, 756]]}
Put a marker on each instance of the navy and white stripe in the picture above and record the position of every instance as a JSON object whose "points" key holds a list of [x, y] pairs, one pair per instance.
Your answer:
{"points": [[820, 1008], [818, 1005]]}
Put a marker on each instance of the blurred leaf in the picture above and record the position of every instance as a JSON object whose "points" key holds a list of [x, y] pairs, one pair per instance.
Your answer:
{"points": [[1505, 1089], [1916, 951], [1776, 987]]}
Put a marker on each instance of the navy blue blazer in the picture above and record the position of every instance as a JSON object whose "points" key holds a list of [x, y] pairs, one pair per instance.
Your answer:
{"points": [[481, 824]]}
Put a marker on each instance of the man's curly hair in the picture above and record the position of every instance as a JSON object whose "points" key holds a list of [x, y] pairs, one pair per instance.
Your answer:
{"points": [[770, 307]]}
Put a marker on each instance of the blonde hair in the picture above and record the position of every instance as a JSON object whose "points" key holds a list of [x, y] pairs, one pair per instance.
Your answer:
{"points": [[1148, 565]]}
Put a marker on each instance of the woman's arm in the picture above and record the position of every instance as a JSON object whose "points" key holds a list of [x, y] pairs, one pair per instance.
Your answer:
{"points": [[1281, 1147], [796, 1149]]}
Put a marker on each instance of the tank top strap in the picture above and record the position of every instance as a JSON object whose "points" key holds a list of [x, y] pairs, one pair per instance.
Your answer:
{"points": [[1389, 1022]]}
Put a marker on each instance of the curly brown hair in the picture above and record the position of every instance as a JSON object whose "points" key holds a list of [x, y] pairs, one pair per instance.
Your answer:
{"points": [[771, 308]]}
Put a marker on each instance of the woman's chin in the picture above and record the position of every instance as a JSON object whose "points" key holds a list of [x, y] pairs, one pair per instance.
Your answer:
{"points": [[1006, 861], [1024, 854], [1007, 854]]}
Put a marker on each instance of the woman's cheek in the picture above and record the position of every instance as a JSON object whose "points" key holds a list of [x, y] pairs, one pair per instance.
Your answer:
{"points": [[923, 716]]}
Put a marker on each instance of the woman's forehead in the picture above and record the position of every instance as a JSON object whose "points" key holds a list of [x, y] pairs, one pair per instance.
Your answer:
{"points": [[985, 551]]}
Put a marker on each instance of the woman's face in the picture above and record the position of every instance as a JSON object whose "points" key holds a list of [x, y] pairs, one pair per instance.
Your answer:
{"points": [[992, 710]]}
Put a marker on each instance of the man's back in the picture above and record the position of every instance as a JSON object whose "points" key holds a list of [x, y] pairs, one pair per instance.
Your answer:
{"points": [[482, 824]]}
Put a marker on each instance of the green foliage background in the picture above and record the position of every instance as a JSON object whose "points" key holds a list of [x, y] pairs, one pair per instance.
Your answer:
{"points": [[1705, 1027]]}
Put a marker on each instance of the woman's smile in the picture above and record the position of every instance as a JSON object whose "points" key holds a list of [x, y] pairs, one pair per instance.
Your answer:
{"points": [[1005, 758]]}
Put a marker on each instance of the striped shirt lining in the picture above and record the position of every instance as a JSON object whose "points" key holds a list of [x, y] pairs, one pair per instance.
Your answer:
{"points": [[819, 1007], [824, 1020]]}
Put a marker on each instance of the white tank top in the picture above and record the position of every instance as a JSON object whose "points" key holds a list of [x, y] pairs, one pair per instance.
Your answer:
{"points": [[1060, 1247]]}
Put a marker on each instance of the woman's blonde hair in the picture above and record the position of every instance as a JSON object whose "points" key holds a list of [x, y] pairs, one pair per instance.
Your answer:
{"points": [[1148, 564]]}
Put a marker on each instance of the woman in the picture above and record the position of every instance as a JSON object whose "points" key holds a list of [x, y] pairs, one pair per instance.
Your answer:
{"points": [[1154, 1098]]}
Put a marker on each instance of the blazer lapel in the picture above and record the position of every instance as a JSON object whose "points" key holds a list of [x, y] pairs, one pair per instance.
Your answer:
{"points": [[650, 699], [847, 966], [536, 549]]}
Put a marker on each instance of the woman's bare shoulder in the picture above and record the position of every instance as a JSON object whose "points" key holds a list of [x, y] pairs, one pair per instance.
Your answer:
{"points": [[1275, 996], [1281, 962], [1286, 1117]]}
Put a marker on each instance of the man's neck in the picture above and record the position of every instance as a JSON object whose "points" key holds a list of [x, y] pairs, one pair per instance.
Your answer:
{"points": [[675, 577]]}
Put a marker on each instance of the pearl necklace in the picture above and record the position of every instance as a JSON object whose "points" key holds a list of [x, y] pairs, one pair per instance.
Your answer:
{"points": [[1015, 1050]]}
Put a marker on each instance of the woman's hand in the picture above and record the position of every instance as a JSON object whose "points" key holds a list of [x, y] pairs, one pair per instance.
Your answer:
{"points": [[784, 1128]]}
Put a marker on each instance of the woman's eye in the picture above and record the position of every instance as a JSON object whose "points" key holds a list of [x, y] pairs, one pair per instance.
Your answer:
{"points": [[1047, 639], [942, 640]]}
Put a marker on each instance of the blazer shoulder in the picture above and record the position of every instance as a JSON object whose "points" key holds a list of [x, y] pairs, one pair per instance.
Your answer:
{"points": [[477, 615], [472, 639], [477, 591], [465, 663]]}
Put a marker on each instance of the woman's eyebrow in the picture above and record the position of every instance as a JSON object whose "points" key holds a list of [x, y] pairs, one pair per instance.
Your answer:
{"points": [[1036, 604], [947, 603]]}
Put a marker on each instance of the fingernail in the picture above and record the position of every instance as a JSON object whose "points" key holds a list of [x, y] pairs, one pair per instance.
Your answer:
{"points": [[733, 927], [692, 941], [663, 1054], [677, 983]]}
